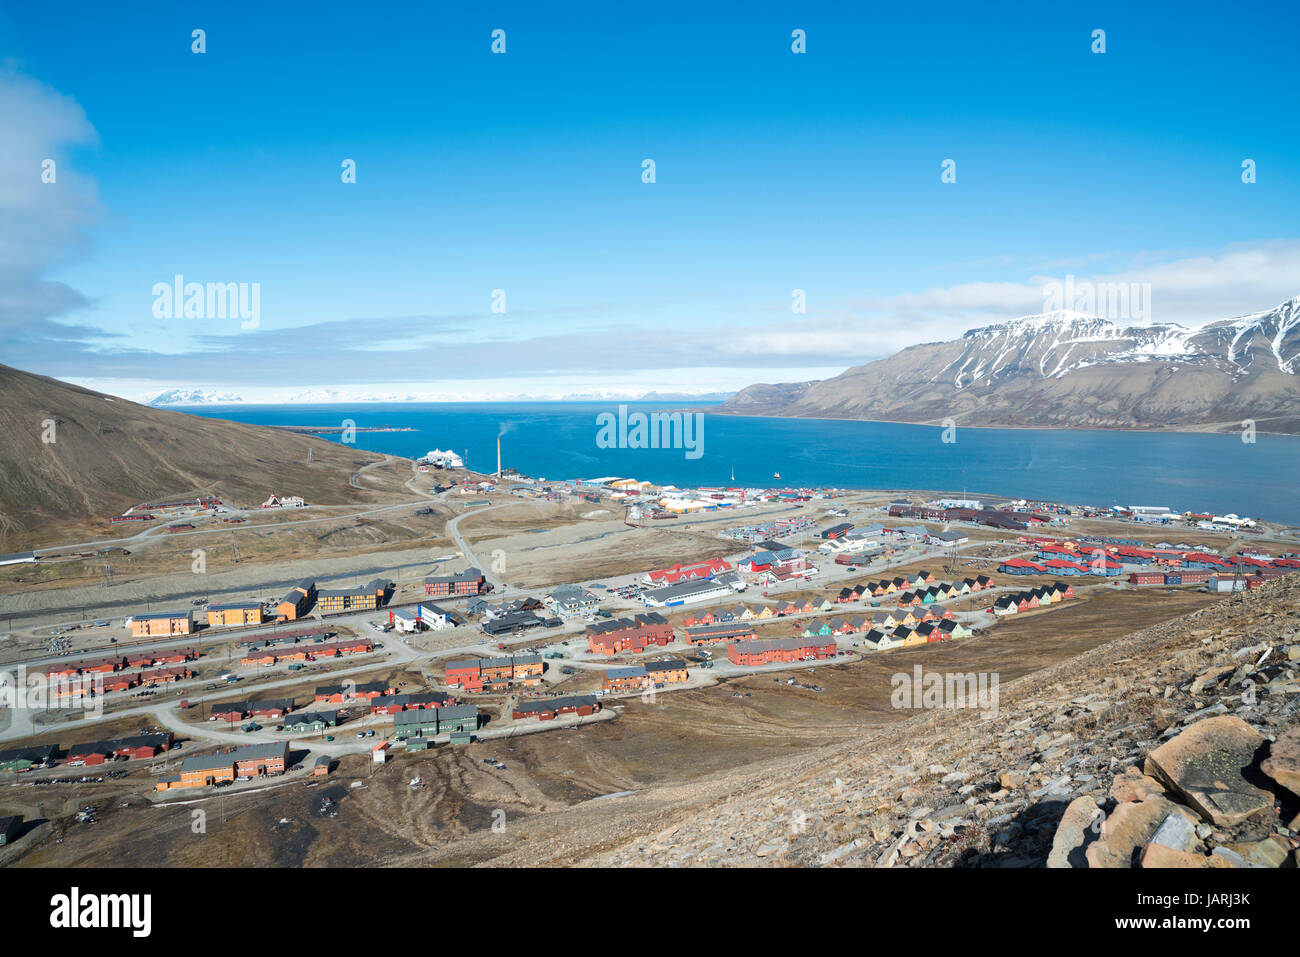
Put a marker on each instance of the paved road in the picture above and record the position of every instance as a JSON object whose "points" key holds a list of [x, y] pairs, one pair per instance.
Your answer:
{"points": [[453, 532]]}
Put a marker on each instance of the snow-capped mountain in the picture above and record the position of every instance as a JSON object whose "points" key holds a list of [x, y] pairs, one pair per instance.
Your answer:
{"points": [[1058, 344], [319, 395], [194, 397], [1070, 369]]}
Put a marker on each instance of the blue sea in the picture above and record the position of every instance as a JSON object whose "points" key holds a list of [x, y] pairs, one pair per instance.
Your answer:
{"points": [[1196, 472]]}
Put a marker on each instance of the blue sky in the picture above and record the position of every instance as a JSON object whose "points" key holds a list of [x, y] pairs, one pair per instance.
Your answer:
{"points": [[522, 172]]}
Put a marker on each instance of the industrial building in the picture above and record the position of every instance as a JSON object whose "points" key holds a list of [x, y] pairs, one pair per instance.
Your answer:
{"points": [[686, 593]]}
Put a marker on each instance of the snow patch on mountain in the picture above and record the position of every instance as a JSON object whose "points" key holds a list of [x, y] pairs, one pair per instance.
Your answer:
{"points": [[194, 397]]}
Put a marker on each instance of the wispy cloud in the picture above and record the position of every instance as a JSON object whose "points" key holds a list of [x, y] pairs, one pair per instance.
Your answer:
{"points": [[43, 225]]}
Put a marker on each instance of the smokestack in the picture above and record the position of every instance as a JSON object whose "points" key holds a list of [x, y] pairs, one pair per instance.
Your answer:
{"points": [[498, 456]]}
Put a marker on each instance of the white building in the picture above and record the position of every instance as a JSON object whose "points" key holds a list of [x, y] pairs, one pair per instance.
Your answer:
{"points": [[433, 617], [687, 593], [1226, 583], [443, 460]]}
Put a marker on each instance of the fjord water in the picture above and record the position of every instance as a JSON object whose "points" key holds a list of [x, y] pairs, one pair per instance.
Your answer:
{"points": [[557, 440]]}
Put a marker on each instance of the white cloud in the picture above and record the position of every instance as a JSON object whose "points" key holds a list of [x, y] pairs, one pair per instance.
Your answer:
{"points": [[1190, 290], [42, 225]]}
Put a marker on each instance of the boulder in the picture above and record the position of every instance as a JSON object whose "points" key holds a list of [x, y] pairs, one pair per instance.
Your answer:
{"points": [[1206, 764], [1129, 827], [1208, 677], [1177, 832], [1270, 852], [1157, 855], [1013, 779], [1133, 785], [1073, 834], [1283, 761]]}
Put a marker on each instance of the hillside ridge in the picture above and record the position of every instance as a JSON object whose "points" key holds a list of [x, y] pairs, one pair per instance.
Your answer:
{"points": [[1070, 370]]}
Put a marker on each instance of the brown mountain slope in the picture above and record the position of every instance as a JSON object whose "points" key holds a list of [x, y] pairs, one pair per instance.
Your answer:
{"points": [[108, 454], [1066, 370], [947, 788]]}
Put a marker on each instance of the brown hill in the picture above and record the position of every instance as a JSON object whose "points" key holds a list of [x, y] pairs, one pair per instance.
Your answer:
{"points": [[1066, 370], [108, 453]]}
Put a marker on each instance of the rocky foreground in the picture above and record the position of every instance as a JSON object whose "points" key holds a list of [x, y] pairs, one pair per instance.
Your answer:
{"points": [[1176, 746]]}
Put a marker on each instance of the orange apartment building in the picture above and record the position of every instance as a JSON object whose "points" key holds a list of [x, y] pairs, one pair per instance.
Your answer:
{"points": [[495, 674], [162, 623], [629, 634], [668, 672], [297, 601], [633, 678], [726, 631], [241, 613], [254, 760], [763, 652]]}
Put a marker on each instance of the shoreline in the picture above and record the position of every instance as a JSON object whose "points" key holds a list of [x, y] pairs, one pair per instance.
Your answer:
{"points": [[1206, 430]]}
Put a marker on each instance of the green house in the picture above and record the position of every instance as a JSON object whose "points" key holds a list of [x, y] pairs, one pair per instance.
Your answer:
{"points": [[310, 723], [415, 724], [457, 718]]}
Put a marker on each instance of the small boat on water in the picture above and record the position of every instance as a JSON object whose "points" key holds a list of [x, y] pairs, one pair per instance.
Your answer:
{"points": [[776, 475]]}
